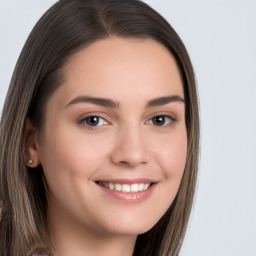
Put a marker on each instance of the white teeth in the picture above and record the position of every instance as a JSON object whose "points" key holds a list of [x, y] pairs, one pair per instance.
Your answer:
{"points": [[141, 187], [134, 188], [118, 187], [125, 187], [146, 186], [111, 186]]}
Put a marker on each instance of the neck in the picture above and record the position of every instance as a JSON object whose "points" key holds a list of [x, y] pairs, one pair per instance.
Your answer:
{"points": [[90, 246]]}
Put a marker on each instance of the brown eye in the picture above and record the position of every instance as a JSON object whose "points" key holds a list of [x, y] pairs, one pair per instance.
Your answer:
{"points": [[94, 121], [161, 120]]}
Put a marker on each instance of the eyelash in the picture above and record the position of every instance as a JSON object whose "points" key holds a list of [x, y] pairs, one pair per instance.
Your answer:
{"points": [[150, 121], [171, 120], [83, 121]]}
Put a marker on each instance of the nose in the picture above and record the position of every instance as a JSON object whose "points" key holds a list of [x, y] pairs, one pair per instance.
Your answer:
{"points": [[130, 148]]}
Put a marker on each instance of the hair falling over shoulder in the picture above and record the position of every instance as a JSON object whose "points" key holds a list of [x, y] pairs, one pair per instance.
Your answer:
{"points": [[64, 29]]}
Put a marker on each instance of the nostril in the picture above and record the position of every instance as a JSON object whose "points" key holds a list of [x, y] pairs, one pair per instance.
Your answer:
{"points": [[130, 149], [129, 159], [130, 164]]}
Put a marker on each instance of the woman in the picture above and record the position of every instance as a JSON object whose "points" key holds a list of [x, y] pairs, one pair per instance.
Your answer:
{"points": [[99, 135]]}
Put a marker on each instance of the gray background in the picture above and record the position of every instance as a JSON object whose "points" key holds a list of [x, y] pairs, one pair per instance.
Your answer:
{"points": [[220, 37]]}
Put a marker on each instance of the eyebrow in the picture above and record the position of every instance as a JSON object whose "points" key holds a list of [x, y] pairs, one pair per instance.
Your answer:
{"points": [[114, 104], [164, 100], [94, 100]]}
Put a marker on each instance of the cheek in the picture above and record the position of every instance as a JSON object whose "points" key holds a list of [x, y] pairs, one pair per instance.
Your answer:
{"points": [[172, 160], [173, 153], [69, 162], [67, 155]]}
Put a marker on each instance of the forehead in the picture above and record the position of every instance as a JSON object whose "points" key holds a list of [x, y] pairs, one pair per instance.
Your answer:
{"points": [[139, 68]]}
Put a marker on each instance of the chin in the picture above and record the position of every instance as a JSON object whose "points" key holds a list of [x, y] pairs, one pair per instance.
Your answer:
{"points": [[129, 225]]}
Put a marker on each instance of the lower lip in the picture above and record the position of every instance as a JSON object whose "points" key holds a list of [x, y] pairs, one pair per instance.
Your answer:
{"points": [[133, 197]]}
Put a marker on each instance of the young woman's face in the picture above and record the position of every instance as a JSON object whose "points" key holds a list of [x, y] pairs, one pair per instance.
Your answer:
{"points": [[114, 144]]}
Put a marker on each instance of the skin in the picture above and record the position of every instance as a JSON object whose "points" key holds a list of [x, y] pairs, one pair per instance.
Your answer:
{"points": [[83, 219]]}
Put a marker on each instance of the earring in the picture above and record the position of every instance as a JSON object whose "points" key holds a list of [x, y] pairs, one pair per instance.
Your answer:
{"points": [[30, 161]]}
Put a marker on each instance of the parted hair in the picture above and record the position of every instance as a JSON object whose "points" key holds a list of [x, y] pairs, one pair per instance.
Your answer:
{"points": [[64, 29]]}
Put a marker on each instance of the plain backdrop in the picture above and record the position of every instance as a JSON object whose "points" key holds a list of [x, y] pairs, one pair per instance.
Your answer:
{"points": [[220, 36]]}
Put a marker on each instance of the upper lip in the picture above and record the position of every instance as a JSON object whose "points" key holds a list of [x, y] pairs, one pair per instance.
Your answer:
{"points": [[128, 181]]}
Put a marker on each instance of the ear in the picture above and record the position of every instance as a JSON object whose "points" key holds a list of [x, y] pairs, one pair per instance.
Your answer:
{"points": [[31, 145]]}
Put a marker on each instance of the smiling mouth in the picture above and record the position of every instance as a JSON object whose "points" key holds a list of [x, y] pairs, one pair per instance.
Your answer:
{"points": [[136, 187]]}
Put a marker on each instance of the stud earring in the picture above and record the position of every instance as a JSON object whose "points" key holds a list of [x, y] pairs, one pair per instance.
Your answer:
{"points": [[30, 161]]}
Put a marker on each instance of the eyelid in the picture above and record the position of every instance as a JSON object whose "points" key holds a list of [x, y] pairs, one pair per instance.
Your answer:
{"points": [[81, 120], [88, 114], [167, 114], [172, 118]]}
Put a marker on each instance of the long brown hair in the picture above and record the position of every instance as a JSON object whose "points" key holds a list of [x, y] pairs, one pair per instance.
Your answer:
{"points": [[64, 29]]}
